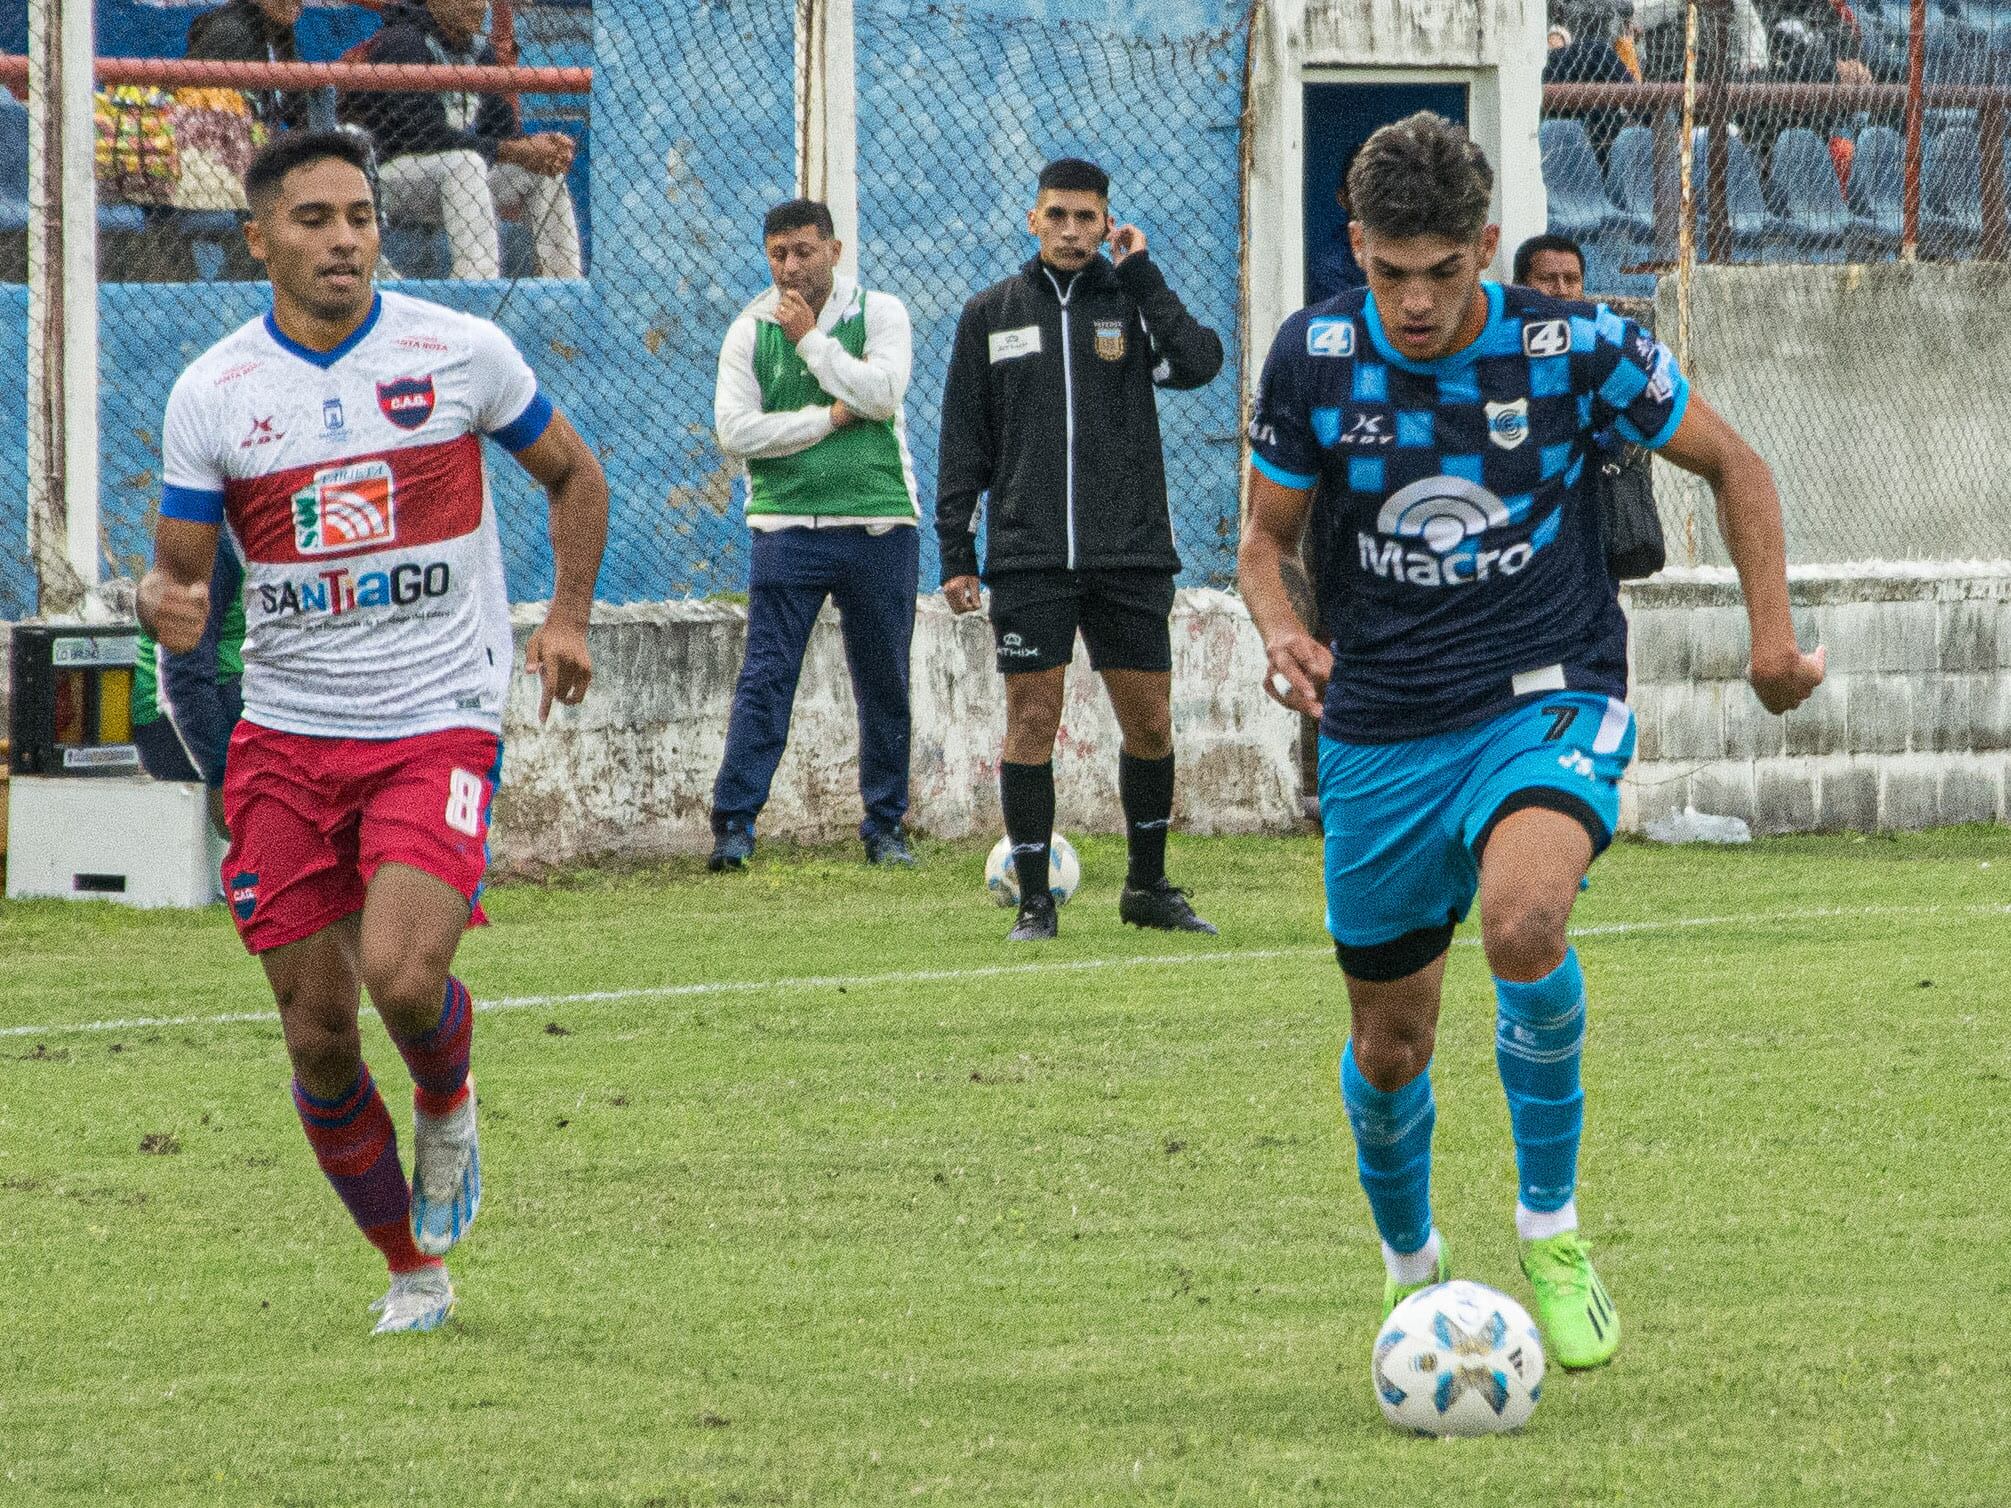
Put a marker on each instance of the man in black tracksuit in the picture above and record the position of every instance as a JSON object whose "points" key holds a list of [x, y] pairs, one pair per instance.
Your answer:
{"points": [[1049, 410]]}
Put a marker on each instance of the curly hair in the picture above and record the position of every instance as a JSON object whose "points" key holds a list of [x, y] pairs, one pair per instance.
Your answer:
{"points": [[1421, 176]]}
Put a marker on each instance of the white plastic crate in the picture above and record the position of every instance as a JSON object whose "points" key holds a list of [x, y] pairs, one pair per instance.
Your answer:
{"points": [[129, 839]]}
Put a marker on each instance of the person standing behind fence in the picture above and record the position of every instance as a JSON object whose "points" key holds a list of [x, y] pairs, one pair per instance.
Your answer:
{"points": [[256, 31], [455, 159], [811, 379], [1050, 409]]}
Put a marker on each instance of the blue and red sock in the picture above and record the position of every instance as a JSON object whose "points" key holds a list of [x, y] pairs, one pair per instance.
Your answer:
{"points": [[357, 1147], [438, 1057]]}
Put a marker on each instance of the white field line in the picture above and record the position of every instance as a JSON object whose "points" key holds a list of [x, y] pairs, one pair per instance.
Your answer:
{"points": [[713, 988]]}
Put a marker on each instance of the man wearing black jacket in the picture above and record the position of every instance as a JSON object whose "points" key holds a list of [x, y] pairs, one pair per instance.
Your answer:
{"points": [[255, 31], [452, 159], [1050, 412]]}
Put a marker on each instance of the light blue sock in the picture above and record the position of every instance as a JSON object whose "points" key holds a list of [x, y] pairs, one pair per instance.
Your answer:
{"points": [[1539, 1036], [1392, 1152]]}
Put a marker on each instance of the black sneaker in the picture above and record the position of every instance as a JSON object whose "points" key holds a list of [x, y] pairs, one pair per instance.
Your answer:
{"points": [[1036, 921], [890, 847], [731, 850], [1163, 906]]}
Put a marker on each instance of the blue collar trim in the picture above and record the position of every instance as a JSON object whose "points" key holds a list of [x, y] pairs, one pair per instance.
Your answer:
{"points": [[1460, 358], [328, 358]]}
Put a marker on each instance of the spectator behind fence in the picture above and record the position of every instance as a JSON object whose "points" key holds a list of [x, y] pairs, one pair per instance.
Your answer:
{"points": [[456, 158], [811, 380], [1586, 56], [257, 31]]}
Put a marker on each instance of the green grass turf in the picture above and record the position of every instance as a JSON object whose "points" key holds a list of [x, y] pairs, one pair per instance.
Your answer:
{"points": [[1077, 1235]]}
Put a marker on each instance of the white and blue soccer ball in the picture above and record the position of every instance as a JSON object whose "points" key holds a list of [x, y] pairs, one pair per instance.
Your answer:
{"points": [[1064, 871], [1458, 1358]]}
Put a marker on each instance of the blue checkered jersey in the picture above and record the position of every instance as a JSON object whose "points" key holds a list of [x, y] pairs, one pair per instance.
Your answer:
{"points": [[1454, 525]]}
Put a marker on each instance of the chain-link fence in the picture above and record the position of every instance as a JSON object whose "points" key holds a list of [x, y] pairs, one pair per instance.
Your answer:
{"points": [[957, 112], [1827, 276], [1814, 193]]}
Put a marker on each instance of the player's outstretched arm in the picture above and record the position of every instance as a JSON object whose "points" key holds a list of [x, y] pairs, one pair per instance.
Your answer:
{"points": [[1298, 664], [174, 595], [1749, 515], [571, 475]]}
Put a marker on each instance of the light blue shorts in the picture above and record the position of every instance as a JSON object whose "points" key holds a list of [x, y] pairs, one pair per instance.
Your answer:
{"points": [[1405, 821]]}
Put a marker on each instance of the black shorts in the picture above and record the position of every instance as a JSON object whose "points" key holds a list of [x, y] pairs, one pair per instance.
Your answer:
{"points": [[1122, 615]]}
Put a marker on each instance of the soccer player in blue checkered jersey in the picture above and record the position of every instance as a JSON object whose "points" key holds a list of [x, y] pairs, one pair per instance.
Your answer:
{"points": [[1437, 428]]}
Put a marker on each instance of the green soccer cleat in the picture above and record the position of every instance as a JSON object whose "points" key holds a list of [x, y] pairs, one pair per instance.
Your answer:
{"points": [[1581, 1328], [1394, 1293]]}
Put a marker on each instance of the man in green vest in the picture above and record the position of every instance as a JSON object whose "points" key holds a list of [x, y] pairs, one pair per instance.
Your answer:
{"points": [[811, 379]]}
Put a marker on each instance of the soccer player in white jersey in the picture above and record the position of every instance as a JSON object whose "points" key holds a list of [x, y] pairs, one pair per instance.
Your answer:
{"points": [[338, 438]]}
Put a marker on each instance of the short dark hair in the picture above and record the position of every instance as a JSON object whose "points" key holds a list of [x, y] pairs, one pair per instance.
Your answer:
{"points": [[298, 149], [798, 214], [1073, 173], [1421, 176], [1525, 254]]}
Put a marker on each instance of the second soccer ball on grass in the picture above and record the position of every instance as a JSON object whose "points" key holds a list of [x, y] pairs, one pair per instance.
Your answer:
{"points": [[1064, 871]]}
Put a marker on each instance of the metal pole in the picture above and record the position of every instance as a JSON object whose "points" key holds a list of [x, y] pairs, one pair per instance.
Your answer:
{"points": [[1916, 74], [1717, 169], [1686, 243], [77, 165]]}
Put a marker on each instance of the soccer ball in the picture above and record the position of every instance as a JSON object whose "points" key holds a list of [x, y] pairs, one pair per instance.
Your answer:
{"points": [[1064, 871], [1458, 1358]]}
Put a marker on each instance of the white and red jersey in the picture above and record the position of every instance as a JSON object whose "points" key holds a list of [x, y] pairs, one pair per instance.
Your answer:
{"points": [[352, 481]]}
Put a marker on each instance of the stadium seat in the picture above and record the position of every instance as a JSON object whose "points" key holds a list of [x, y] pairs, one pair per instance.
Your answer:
{"points": [[1877, 192], [1951, 196], [1630, 181], [13, 164], [1754, 229], [1807, 196], [1579, 207]]}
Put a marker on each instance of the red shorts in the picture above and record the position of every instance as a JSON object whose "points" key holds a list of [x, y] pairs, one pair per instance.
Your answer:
{"points": [[312, 820]]}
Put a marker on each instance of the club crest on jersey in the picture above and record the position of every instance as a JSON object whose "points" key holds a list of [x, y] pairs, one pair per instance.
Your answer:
{"points": [[346, 508], [1508, 423], [406, 401], [1546, 337], [244, 893], [1110, 339]]}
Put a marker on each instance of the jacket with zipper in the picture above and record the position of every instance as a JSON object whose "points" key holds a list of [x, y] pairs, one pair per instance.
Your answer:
{"points": [[1049, 410], [417, 125]]}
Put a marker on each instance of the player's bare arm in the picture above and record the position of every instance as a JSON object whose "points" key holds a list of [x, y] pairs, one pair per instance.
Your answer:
{"points": [[571, 475], [1271, 535], [174, 595], [1749, 515]]}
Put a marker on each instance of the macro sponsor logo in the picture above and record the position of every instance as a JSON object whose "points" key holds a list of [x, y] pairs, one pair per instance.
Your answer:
{"points": [[406, 401], [1446, 515], [346, 508], [340, 590]]}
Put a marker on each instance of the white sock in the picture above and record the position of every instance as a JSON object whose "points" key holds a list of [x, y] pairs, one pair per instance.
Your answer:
{"points": [[1419, 1266], [1541, 1225]]}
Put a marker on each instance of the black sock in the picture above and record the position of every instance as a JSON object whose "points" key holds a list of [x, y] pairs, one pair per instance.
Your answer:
{"points": [[1026, 792], [1145, 786]]}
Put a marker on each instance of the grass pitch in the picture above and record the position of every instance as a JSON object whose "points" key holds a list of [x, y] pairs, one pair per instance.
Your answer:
{"points": [[802, 1187]]}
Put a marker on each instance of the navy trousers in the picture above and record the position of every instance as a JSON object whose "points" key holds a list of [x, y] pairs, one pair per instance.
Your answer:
{"points": [[872, 579]]}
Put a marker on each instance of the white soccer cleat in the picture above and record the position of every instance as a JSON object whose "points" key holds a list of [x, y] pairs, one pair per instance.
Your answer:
{"points": [[446, 1177], [419, 1300]]}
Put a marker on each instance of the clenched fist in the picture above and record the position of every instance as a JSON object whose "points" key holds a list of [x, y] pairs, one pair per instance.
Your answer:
{"points": [[174, 612]]}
